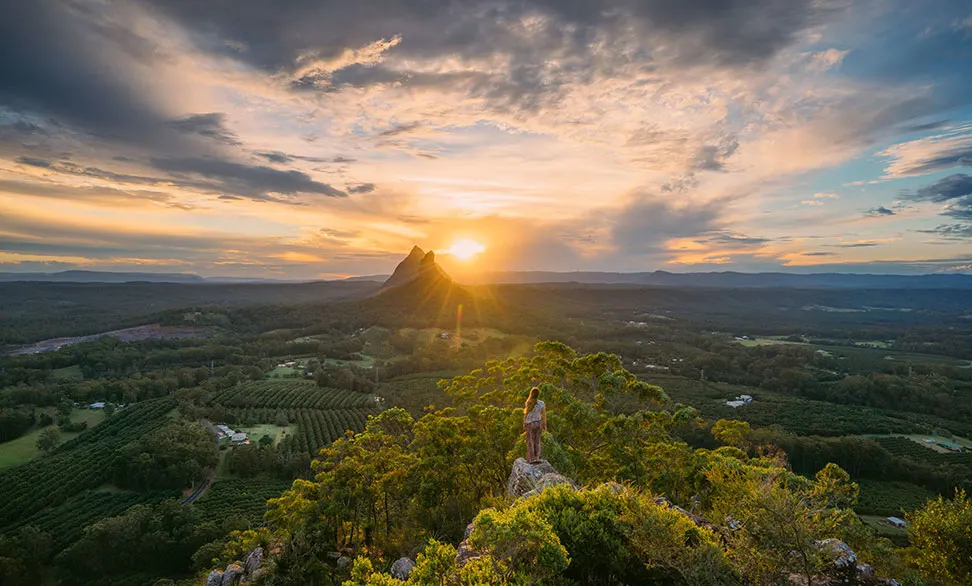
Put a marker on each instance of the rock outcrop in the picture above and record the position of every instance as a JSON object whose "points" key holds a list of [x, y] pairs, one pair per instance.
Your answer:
{"points": [[527, 479], [234, 574], [402, 568]]}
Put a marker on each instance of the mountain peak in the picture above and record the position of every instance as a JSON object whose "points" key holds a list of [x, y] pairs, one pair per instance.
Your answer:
{"points": [[417, 265]]}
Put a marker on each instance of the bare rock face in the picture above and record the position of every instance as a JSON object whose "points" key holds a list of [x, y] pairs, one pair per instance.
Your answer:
{"points": [[417, 265], [528, 479], [232, 575], [215, 578], [402, 568], [253, 565], [846, 569]]}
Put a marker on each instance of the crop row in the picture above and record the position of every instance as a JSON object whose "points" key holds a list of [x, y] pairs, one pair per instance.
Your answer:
{"points": [[285, 394], [65, 522], [906, 448], [316, 428], [246, 497], [78, 465]]}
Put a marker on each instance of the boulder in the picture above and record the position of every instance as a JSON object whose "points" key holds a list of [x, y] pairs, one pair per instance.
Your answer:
{"points": [[526, 476], [232, 575], [547, 480], [402, 568], [253, 565], [344, 562], [465, 552], [215, 578]]}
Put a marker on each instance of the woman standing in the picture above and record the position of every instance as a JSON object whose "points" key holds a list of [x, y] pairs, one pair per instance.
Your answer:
{"points": [[534, 423]]}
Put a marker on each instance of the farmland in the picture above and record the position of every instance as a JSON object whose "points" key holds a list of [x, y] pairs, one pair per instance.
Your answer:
{"points": [[24, 448], [320, 415], [245, 498]]}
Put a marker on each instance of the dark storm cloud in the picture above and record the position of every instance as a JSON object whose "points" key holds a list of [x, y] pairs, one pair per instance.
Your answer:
{"points": [[879, 212], [255, 181], [51, 65], [211, 125]]}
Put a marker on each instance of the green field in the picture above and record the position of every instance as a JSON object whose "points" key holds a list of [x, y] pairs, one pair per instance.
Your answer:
{"points": [[770, 341], [881, 527], [24, 448], [68, 373], [276, 432]]}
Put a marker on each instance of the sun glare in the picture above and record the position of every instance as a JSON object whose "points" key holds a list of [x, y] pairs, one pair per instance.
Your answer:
{"points": [[464, 249]]}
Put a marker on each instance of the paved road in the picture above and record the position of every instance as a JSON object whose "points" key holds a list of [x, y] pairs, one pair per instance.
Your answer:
{"points": [[210, 474]]}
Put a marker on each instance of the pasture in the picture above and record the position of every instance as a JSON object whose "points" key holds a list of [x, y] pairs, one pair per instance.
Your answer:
{"points": [[24, 448]]}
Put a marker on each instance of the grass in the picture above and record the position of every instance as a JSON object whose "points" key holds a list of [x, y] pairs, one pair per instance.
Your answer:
{"points": [[24, 448], [68, 373], [277, 432], [286, 372], [881, 527], [768, 342]]}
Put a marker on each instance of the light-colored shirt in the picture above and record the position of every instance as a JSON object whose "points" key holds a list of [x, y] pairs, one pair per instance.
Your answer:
{"points": [[535, 414]]}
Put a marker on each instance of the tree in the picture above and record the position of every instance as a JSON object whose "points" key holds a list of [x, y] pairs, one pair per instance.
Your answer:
{"points": [[941, 539], [49, 439]]}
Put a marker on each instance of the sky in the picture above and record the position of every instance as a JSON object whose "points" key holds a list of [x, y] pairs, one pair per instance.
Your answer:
{"points": [[316, 139]]}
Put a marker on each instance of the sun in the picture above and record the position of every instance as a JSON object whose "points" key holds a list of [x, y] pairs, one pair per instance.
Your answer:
{"points": [[465, 249]]}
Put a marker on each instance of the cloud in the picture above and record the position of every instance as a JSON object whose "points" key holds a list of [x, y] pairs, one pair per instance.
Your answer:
{"points": [[254, 181], [212, 126], [824, 195], [647, 222], [818, 253], [928, 155], [826, 60], [878, 212], [954, 190], [951, 231], [362, 188], [854, 245], [54, 63]]}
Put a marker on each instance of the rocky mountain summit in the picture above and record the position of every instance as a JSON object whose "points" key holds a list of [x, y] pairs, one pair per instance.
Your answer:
{"points": [[417, 266]]}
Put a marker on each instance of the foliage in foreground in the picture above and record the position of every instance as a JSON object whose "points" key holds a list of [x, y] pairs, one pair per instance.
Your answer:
{"points": [[405, 486]]}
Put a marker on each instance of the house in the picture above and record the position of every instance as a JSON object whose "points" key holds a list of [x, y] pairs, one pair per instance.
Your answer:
{"points": [[896, 522], [239, 437], [225, 431], [740, 401], [951, 446], [97, 405]]}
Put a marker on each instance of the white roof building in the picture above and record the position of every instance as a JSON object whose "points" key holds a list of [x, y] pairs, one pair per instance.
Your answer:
{"points": [[97, 405], [897, 522]]}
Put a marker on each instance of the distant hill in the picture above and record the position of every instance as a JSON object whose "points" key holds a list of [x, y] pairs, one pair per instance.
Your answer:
{"points": [[732, 280], [77, 276], [413, 266], [80, 276]]}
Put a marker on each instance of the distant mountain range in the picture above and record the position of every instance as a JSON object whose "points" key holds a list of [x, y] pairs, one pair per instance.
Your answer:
{"points": [[413, 265], [79, 276]]}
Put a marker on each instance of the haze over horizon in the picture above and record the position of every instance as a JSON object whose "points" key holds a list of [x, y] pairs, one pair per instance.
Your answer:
{"points": [[316, 140]]}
